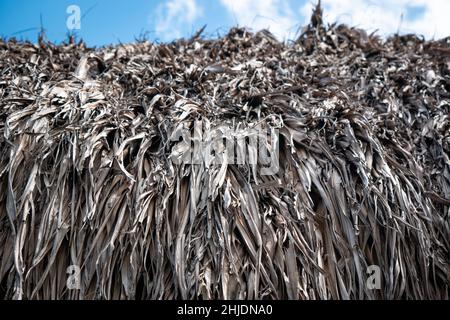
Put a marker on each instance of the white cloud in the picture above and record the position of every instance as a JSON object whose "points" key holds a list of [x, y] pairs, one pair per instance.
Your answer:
{"points": [[431, 19], [284, 17], [275, 15], [174, 16]]}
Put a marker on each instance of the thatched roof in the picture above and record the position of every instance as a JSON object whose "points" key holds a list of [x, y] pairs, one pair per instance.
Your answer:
{"points": [[89, 177]]}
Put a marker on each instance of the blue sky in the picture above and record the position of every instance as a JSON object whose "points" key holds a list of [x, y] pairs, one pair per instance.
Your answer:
{"points": [[104, 21], [112, 21]]}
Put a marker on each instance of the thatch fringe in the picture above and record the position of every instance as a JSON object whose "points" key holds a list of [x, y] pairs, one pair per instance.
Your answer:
{"points": [[88, 175]]}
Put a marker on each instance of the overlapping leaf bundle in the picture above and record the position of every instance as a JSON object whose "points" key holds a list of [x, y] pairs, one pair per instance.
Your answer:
{"points": [[88, 176]]}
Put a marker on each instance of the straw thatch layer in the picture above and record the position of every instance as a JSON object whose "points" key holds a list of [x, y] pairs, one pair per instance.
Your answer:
{"points": [[88, 175]]}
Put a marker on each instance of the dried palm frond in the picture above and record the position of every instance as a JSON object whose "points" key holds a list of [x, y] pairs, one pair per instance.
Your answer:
{"points": [[90, 173]]}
